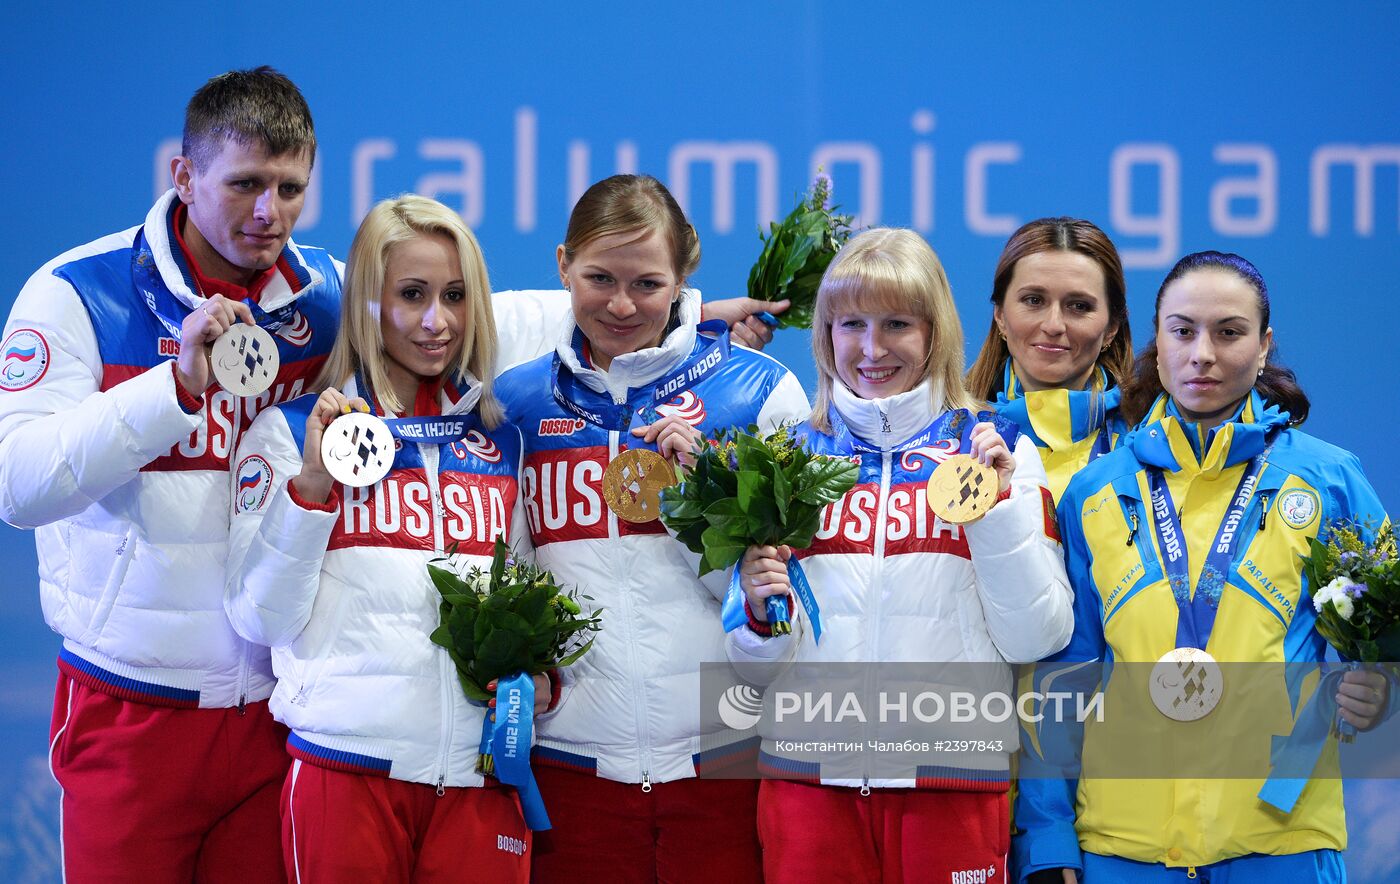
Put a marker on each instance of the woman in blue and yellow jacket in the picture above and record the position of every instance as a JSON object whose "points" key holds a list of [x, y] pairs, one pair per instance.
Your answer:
{"points": [[1216, 493], [1059, 343]]}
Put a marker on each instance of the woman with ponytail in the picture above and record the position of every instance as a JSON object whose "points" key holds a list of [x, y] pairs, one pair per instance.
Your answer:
{"points": [[1184, 547]]}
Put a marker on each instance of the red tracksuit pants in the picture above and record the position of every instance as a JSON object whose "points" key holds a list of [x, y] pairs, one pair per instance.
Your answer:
{"points": [[815, 834], [165, 795], [692, 830], [342, 827]]}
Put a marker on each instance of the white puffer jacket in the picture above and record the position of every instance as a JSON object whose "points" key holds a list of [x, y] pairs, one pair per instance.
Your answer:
{"points": [[895, 584], [342, 595], [129, 493], [630, 708]]}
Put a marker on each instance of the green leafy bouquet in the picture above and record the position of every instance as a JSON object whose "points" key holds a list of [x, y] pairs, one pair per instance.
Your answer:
{"points": [[512, 618], [796, 253], [746, 490], [1356, 592]]}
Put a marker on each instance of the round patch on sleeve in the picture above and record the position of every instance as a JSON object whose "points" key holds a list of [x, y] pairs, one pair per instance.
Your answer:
{"points": [[1298, 507], [24, 358], [254, 483]]}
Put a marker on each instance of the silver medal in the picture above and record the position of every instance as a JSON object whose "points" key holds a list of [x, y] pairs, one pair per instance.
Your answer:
{"points": [[357, 449], [1186, 684], [245, 360]]}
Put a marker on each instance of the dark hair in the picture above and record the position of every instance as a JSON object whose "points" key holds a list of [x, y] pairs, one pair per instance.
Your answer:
{"points": [[258, 105], [628, 204], [1276, 386], [1056, 235]]}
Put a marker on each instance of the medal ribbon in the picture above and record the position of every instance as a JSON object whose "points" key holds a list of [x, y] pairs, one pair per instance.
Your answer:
{"points": [[601, 412], [431, 429], [510, 745], [148, 279], [1198, 609]]}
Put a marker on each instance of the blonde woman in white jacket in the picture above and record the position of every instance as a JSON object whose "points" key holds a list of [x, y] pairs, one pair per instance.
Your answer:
{"points": [[896, 584], [383, 786]]}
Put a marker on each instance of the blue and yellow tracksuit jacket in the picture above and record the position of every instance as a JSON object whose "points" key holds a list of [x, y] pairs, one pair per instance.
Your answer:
{"points": [[1125, 611], [1065, 425]]}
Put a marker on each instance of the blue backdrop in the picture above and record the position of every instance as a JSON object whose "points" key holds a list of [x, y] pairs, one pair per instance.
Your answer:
{"points": [[1250, 128]]}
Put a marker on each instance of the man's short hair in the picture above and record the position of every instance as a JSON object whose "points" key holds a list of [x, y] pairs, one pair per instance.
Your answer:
{"points": [[258, 105]]}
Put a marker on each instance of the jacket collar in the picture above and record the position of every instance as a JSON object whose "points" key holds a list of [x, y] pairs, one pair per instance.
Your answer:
{"points": [[1168, 442], [459, 396], [889, 422], [178, 278], [632, 370], [1058, 418]]}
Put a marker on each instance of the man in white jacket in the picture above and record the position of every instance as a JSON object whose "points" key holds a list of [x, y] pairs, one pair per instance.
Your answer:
{"points": [[114, 447]]}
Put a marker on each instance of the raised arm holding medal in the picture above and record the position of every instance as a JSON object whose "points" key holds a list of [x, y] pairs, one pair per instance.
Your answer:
{"points": [[941, 552], [634, 382], [343, 498], [1184, 548]]}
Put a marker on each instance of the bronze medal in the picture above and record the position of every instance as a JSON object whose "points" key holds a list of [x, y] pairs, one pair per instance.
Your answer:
{"points": [[1186, 684], [962, 489], [632, 484]]}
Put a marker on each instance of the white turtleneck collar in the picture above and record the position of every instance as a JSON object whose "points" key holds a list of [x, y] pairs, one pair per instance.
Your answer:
{"points": [[892, 421], [642, 367]]}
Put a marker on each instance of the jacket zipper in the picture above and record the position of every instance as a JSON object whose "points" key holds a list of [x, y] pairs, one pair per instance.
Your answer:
{"points": [[244, 665], [446, 676], [640, 691], [873, 655]]}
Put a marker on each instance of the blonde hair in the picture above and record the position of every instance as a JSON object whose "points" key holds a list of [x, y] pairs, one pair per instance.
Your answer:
{"points": [[359, 346], [893, 270]]}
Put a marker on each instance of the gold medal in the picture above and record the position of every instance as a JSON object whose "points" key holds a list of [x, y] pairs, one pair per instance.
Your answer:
{"points": [[632, 484], [962, 489], [1186, 684]]}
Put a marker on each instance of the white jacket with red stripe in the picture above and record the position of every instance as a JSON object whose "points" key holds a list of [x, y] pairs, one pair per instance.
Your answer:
{"points": [[341, 592], [130, 496], [895, 584], [630, 708]]}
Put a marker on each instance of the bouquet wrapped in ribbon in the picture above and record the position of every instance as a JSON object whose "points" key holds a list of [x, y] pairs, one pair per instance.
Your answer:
{"points": [[507, 625], [1355, 587], [796, 252], [750, 490]]}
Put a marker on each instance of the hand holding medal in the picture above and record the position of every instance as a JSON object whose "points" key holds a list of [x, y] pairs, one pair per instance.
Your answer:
{"points": [[342, 443], [966, 486], [634, 480], [210, 323]]}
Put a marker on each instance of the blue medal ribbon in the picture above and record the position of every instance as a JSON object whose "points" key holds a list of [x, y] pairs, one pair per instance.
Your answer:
{"points": [[434, 429], [598, 409], [1197, 610], [510, 745], [148, 280], [430, 430]]}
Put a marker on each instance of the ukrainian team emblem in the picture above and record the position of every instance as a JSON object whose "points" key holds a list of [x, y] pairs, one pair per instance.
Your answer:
{"points": [[24, 358], [1298, 507], [254, 482]]}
